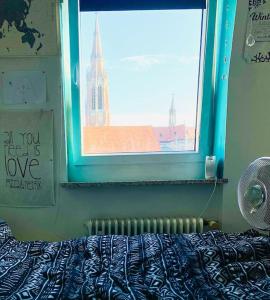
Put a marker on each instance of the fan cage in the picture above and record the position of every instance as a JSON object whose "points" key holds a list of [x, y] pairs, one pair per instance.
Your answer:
{"points": [[258, 172]]}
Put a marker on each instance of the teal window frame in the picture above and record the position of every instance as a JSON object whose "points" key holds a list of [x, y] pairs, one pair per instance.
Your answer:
{"points": [[153, 166]]}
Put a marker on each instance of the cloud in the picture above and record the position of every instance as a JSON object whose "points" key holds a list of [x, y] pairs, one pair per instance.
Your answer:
{"points": [[144, 62], [185, 59]]}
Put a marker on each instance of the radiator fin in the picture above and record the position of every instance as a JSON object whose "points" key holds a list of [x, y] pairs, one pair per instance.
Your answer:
{"points": [[133, 226]]}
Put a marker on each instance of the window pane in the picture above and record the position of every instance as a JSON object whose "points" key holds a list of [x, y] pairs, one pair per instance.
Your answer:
{"points": [[139, 81]]}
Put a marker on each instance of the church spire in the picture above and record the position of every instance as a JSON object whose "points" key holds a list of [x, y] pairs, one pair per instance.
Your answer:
{"points": [[96, 50], [97, 103], [172, 114]]}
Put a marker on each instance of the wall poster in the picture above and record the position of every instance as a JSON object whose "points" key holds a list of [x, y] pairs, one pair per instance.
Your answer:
{"points": [[26, 158], [28, 27], [24, 87], [257, 39]]}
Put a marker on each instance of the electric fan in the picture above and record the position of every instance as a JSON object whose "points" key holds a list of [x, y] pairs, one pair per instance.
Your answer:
{"points": [[254, 193]]}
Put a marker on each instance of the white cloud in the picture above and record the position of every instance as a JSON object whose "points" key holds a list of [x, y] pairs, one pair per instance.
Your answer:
{"points": [[184, 59], [144, 62]]}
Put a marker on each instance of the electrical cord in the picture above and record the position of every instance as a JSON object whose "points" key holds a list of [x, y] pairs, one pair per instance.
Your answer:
{"points": [[209, 200]]}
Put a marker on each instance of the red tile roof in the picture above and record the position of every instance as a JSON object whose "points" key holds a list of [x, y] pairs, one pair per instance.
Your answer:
{"points": [[117, 139]]}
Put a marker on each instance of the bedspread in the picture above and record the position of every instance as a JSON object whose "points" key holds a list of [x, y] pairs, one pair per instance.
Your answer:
{"points": [[212, 265]]}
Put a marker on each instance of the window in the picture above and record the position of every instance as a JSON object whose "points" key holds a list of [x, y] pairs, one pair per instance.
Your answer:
{"points": [[100, 97], [137, 75], [151, 67]]}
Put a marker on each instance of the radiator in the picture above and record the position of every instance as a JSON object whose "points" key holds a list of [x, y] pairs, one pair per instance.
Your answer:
{"points": [[135, 226]]}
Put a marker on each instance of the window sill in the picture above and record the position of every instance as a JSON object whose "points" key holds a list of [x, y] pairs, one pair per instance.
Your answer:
{"points": [[143, 183]]}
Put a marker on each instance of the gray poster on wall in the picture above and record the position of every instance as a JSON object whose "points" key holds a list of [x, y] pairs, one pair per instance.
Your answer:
{"points": [[26, 158], [23, 87], [257, 39]]}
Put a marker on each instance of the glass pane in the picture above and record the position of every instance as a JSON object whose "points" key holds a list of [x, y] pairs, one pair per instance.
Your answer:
{"points": [[139, 81]]}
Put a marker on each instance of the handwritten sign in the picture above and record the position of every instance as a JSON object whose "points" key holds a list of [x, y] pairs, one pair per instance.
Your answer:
{"points": [[257, 41], [26, 158]]}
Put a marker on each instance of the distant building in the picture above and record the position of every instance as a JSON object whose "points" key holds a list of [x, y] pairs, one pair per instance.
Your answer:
{"points": [[172, 114], [170, 134], [97, 112], [173, 132], [172, 137], [190, 133]]}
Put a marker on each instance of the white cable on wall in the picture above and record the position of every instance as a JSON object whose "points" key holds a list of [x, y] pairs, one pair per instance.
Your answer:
{"points": [[209, 199]]}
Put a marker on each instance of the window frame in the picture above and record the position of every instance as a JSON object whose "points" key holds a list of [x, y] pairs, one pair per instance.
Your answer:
{"points": [[135, 167]]}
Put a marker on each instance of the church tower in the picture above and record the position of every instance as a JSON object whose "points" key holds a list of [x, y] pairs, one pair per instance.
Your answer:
{"points": [[172, 114], [97, 102]]}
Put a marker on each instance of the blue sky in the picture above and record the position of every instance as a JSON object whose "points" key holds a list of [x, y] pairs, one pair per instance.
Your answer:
{"points": [[149, 55]]}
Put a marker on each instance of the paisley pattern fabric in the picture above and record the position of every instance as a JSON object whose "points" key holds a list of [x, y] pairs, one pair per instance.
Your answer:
{"points": [[212, 265]]}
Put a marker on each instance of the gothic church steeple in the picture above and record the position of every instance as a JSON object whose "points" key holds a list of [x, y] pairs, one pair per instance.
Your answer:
{"points": [[97, 104], [172, 114]]}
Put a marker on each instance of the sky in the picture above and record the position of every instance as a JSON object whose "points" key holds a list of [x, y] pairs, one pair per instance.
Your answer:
{"points": [[149, 56]]}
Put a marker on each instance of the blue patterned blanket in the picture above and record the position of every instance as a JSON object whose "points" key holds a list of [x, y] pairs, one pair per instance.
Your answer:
{"points": [[212, 265]]}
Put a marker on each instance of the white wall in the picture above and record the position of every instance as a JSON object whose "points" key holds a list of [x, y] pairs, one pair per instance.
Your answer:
{"points": [[248, 119]]}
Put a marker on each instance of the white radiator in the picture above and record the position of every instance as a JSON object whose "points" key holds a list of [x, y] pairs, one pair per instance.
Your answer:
{"points": [[135, 226]]}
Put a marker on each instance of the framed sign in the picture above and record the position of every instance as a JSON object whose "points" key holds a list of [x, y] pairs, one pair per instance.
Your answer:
{"points": [[26, 158], [257, 39]]}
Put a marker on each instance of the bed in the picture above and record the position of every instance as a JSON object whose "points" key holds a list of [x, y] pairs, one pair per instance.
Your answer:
{"points": [[212, 265]]}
